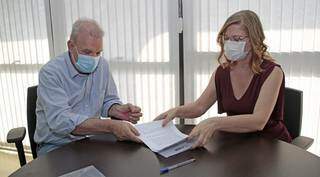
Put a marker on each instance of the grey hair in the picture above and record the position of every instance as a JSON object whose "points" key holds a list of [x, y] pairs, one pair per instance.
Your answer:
{"points": [[86, 25]]}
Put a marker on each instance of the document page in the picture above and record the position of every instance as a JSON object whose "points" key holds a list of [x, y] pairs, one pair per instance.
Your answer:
{"points": [[158, 138], [177, 148], [89, 171]]}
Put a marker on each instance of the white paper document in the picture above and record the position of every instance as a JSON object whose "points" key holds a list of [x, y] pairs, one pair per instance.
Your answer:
{"points": [[167, 141], [89, 171]]}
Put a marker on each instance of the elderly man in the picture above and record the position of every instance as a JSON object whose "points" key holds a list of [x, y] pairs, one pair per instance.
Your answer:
{"points": [[76, 89]]}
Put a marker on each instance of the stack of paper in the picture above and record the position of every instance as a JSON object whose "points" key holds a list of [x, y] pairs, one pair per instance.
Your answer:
{"points": [[167, 141]]}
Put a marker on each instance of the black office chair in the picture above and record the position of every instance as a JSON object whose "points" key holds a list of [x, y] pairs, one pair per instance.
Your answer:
{"points": [[16, 135], [293, 105]]}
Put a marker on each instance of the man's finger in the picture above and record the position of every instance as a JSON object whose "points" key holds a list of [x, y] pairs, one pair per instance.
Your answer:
{"points": [[125, 108], [134, 130], [136, 139], [134, 109], [134, 119], [136, 114], [133, 137], [121, 137]]}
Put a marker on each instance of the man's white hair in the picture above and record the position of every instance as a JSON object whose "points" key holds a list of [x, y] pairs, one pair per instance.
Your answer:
{"points": [[86, 25]]}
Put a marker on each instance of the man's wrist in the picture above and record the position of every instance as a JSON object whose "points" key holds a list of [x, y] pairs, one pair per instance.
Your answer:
{"points": [[112, 110], [109, 125]]}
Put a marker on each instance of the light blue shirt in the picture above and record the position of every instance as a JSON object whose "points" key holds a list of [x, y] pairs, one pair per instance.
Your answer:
{"points": [[66, 98]]}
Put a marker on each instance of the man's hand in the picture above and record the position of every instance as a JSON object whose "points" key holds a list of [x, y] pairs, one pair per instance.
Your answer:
{"points": [[124, 130], [126, 112]]}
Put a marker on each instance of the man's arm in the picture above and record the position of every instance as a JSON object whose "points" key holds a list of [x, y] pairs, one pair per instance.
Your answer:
{"points": [[93, 126], [54, 100], [63, 121], [111, 97], [112, 106], [121, 129]]}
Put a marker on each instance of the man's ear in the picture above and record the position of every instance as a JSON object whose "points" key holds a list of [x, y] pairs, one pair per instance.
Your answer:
{"points": [[70, 45]]}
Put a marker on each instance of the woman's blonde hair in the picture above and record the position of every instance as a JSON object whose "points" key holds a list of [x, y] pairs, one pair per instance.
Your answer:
{"points": [[251, 23]]}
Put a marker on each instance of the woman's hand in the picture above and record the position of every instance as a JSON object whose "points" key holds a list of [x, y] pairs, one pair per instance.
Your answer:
{"points": [[203, 132], [168, 116]]}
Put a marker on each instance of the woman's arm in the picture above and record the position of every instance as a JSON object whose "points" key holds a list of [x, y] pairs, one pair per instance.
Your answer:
{"points": [[247, 122], [202, 104], [194, 109]]}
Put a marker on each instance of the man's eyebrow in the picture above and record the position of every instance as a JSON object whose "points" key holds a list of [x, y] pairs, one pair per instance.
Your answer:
{"points": [[86, 50], [90, 51]]}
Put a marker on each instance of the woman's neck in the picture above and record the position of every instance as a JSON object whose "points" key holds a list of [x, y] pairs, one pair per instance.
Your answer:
{"points": [[243, 64]]}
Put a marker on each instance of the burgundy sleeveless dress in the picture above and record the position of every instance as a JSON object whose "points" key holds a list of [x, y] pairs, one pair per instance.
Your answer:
{"points": [[227, 102]]}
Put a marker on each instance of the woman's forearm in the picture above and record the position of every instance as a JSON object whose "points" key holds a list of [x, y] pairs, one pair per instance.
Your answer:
{"points": [[239, 124], [190, 110]]}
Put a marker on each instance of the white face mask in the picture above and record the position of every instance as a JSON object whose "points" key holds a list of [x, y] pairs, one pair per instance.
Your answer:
{"points": [[234, 50]]}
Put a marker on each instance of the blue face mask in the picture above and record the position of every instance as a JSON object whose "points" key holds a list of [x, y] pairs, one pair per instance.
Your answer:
{"points": [[87, 64]]}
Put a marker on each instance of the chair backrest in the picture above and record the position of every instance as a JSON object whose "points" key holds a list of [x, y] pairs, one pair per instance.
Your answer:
{"points": [[31, 117], [293, 102]]}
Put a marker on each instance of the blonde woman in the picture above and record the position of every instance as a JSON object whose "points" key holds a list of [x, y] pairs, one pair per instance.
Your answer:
{"points": [[247, 85]]}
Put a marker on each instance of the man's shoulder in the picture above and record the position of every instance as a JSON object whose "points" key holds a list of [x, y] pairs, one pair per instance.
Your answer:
{"points": [[55, 65], [104, 62], [103, 65]]}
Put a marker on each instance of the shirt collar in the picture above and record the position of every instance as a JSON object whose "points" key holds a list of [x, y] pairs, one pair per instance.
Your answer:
{"points": [[72, 70]]}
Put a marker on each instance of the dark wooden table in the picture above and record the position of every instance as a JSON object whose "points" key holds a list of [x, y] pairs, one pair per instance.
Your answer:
{"points": [[227, 155]]}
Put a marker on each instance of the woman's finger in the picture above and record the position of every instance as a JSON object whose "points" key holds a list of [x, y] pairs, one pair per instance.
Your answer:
{"points": [[198, 142], [160, 117], [194, 133], [166, 121]]}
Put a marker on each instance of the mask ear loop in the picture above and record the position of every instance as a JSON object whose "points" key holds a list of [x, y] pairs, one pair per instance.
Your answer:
{"points": [[72, 55]]}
